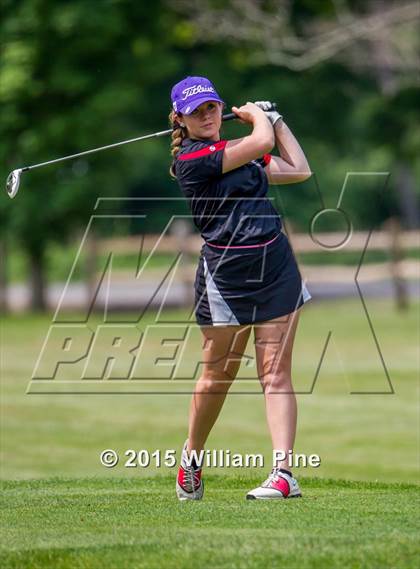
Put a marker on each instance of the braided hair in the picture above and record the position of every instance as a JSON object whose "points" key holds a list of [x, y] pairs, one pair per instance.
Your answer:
{"points": [[178, 134]]}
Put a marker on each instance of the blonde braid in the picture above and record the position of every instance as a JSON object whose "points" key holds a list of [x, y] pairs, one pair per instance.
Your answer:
{"points": [[178, 135]]}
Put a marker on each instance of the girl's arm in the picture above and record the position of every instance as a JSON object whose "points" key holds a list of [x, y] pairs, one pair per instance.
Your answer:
{"points": [[261, 140], [291, 166]]}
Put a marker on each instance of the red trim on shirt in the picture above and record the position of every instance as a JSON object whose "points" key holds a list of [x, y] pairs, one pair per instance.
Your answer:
{"points": [[267, 158], [204, 151]]}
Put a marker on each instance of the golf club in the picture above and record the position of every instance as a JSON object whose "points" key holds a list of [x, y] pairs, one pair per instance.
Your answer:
{"points": [[13, 179]]}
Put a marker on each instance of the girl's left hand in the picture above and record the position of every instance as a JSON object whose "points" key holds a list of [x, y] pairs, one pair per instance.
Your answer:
{"points": [[273, 116]]}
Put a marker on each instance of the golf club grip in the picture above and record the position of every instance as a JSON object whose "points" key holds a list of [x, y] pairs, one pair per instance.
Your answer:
{"points": [[231, 116]]}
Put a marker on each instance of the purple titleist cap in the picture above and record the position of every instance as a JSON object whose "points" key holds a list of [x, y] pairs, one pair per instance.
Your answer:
{"points": [[191, 92]]}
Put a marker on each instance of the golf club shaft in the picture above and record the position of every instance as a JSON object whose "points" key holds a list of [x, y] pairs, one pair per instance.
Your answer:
{"points": [[71, 156], [13, 179], [227, 117]]}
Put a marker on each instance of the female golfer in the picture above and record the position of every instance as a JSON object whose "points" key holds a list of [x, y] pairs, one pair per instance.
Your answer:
{"points": [[247, 275]]}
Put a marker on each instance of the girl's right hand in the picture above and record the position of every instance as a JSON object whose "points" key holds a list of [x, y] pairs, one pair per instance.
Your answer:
{"points": [[249, 113]]}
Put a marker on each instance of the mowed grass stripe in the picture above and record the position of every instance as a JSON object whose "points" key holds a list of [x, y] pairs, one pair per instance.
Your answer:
{"points": [[84, 523]]}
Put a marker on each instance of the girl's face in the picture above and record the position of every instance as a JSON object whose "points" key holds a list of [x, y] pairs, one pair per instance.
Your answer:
{"points": [[205, 122]]}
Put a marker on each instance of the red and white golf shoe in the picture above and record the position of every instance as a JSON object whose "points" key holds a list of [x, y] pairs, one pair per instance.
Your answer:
{"points": [[189, 485], [279, 485]]}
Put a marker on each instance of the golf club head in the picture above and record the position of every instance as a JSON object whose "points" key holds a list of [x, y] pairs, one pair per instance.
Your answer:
{"points": [[13, 181]]}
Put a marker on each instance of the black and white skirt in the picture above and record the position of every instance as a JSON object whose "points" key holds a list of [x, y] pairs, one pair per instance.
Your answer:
{"points": [[247, 284]]}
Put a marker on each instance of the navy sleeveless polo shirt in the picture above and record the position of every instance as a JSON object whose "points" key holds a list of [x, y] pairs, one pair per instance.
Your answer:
{"points": [[228, 209]]}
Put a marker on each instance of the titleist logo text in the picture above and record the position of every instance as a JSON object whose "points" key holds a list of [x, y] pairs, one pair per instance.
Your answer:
{"points": [[194, 90]]}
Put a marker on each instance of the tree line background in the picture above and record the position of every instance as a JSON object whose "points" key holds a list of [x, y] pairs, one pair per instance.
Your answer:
{"points": [[80, 74]]}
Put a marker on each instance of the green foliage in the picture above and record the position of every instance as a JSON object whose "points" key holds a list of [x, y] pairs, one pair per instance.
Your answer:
{"points": [[74, 77]]}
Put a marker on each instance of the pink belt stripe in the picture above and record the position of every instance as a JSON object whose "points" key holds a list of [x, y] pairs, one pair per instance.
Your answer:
{"points": [[242, 246]]}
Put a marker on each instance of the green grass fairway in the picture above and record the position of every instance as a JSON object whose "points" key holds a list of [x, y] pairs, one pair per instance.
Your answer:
{"points": [[63, 510], [120, 523], [366, 437]]}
